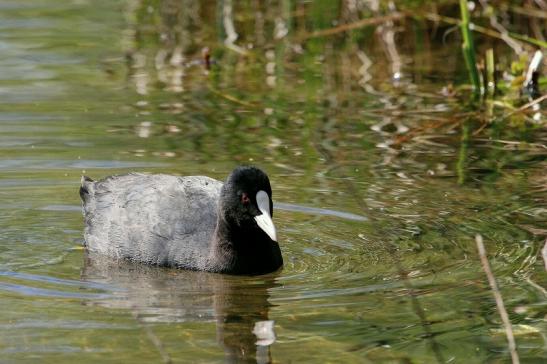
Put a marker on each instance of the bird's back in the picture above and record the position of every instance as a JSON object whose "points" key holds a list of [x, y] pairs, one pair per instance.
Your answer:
{"points": [[155, 219]]}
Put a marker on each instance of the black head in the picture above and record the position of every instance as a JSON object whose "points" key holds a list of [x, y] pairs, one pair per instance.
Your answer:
{"points": [[246, 200]]}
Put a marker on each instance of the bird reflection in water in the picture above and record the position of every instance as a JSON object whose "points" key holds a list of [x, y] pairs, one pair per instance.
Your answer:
{"points": [[238, 304]]}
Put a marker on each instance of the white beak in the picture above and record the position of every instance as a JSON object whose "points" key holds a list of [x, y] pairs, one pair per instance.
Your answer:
{"points": [[264, 221]]}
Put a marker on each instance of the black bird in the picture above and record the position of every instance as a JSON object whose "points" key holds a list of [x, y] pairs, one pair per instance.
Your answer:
{"points": [[192, 222]]}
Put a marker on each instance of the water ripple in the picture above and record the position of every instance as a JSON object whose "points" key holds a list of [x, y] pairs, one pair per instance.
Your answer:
{"points": [[106, 291], [43, 292], [79, 164], [53, 280], [318, 211], [67, 208]]}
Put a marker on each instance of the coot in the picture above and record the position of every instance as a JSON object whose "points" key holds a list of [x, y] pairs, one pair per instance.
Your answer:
{"points": [[192, 222]]}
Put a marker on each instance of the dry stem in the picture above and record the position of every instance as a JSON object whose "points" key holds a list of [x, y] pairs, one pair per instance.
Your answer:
{"points": [[499, 301], [544, 254]]}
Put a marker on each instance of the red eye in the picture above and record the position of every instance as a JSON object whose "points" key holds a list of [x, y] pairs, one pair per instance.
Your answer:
{"points": [[244, 198]]}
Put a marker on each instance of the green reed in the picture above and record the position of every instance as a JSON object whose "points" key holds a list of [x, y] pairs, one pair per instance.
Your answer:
{"points": [[468, 47]]}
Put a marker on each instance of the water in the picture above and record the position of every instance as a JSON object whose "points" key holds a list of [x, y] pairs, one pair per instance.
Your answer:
{"points": [[381, 184]]}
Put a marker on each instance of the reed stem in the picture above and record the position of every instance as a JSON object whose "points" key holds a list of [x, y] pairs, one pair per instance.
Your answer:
{"points": [[468, 47], [490, 85]]}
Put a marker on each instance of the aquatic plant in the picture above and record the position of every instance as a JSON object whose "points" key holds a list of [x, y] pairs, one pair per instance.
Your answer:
{"points": [[468, 47]]}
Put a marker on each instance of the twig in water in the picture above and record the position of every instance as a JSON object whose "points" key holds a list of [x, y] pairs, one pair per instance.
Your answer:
{"points": [[231, 98], [462, 154], [517, 48], [351, 26], [154, 339], [499, 301], [481, 128], [424, 128], [486, 31], [524, 10], [544, 254], [526, 106]]}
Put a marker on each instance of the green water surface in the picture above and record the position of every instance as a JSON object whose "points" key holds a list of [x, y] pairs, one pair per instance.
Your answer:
{"points": [[346, 123]]}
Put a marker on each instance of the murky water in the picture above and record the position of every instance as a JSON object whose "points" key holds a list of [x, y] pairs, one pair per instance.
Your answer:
{"points": [[381, 184]]}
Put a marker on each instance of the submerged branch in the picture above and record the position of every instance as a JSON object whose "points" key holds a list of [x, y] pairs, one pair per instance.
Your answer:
{"points": [[232, 98], [524, 10], [499, 300], [355, 25], [544, 254], [517, 48], [154, 339], [492, 33], [426, 127], [526, 106], [462, 154]]}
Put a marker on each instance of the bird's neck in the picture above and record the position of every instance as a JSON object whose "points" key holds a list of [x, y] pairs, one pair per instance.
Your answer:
{"points": [[244, 249]]}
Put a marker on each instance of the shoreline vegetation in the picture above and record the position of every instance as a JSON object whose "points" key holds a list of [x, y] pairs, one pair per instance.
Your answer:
{"points": [[503, 45]]}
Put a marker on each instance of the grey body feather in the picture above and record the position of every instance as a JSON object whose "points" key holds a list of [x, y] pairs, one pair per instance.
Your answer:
{"points": [[155, 219]]}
